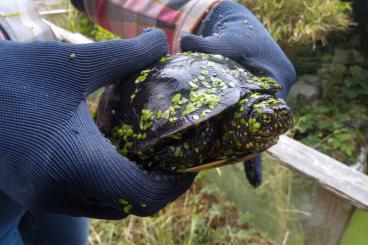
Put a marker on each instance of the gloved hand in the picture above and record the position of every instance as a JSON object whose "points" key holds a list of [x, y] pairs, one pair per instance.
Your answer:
{"points": [[230, 29], [53, 157]]}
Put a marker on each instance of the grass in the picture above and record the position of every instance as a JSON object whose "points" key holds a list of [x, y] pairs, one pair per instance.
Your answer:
{"points": [[281, 206], [356, 233], [200, 216], [296, 22], [222, 208]]}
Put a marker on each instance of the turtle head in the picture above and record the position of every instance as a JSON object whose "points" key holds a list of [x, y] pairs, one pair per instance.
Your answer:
{"points": [[268, 117]]}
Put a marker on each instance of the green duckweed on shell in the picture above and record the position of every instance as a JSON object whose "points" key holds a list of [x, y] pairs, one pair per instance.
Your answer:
{"points": [[189, 109]]}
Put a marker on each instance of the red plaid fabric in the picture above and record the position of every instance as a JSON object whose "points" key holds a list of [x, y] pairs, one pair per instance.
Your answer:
{"points": [[127, 18]]}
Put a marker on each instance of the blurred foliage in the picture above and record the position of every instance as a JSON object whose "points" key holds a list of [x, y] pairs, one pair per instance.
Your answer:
{"points": [[201, 216], [345, 85], [79, 22], [221, 208], [336, 124], [325, 129], [296, 22], [281, 206], [356, 233]]}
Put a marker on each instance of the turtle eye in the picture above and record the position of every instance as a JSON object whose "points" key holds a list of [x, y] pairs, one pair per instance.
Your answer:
{"points": [[267, 118]]}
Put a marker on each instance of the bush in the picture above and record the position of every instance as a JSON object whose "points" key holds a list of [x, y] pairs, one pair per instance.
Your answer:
{"points": [[336, 122], [296, 22]]}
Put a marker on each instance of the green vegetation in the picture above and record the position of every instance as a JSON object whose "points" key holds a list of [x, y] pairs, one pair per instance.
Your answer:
{"points": [[201, 216], [78, 22], [356, 234], [281, 206], [297, 22], [335, 123]]}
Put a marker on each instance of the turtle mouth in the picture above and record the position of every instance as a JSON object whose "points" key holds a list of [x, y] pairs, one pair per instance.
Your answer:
{"points": [[264, 144]]}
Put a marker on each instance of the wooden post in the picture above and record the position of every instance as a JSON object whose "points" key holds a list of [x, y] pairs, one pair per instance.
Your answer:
{"points": [[331, 215]]}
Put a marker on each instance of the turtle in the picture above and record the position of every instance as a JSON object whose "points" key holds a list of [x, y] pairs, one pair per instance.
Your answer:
{"points": [[192, 111]]}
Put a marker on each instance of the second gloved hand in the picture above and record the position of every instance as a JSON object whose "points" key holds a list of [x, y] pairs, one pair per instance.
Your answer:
{"points": [[231, 30], [53, 157]]}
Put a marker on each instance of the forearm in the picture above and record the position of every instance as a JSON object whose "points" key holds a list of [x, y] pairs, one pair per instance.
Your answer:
{"points": [[128, 18]]}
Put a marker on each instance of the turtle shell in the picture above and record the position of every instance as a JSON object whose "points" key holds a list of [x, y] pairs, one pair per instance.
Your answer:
{"points": [[187, 91]]}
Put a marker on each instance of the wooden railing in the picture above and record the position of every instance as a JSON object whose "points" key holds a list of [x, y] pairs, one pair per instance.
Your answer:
{"points": [[345, 182], [341, 188]]}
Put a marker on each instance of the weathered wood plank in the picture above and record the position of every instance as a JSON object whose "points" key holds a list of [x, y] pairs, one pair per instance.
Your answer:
{"points": [[331, 174], [53, 12]]}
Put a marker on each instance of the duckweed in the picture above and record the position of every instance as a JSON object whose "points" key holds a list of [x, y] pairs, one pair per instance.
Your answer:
{"points": [[143, 75], [165, 59], [253, 125]]}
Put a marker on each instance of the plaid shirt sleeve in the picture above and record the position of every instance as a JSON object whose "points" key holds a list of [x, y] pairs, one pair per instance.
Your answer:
{"points": [[127, 18]]}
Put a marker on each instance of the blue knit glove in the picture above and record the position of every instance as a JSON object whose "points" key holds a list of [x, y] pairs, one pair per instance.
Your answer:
{"points": [[232, 30], [53, 157]]}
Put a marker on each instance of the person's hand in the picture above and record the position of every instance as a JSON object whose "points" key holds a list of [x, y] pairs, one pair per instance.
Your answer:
{"points": [[53, 157], [231, 30]]}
